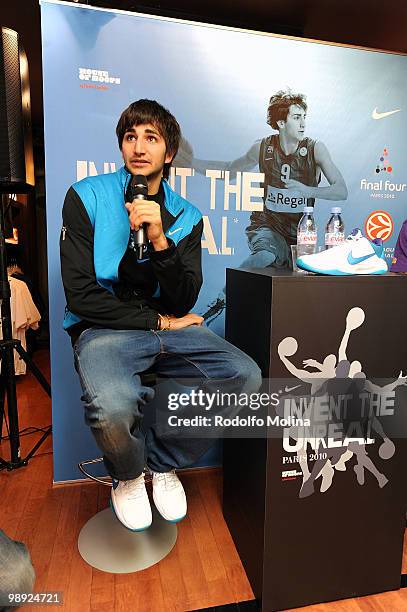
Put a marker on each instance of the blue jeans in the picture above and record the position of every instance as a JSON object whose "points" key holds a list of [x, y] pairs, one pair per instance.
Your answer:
{"points": [[109, 363], [16, 571]]}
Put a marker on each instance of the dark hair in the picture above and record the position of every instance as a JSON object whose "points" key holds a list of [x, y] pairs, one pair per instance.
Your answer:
{"points": [[279, 105], [150, 111]]}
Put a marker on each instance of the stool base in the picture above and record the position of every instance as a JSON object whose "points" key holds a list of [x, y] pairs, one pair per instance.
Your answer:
{"points": [[104, 543]]}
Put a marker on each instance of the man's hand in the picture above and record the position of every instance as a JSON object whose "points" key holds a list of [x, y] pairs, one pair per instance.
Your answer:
{"points": [[310, 363], [148, 212], [297, 186], [180, 322]]}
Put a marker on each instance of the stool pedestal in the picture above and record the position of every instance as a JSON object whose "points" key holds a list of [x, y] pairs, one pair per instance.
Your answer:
{"points": [[104, 543]]}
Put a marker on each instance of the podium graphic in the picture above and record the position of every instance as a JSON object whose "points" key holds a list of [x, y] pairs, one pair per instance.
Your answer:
{"points": [[321, 516], [338, 367]]}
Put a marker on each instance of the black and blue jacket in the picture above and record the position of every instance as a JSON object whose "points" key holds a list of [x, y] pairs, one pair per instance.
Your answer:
{"points": [[94, 238]]}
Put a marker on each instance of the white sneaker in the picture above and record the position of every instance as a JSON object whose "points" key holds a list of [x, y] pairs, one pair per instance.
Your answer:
{"points": [[169, 496], [130, 503], [357, 255]]}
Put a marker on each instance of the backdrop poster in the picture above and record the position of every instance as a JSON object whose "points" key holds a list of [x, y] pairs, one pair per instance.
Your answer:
{"points": [[217, 81]]}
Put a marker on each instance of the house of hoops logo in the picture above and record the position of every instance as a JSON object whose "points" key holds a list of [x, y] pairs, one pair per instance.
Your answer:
{"points": [[379, 224], [97, 76]]}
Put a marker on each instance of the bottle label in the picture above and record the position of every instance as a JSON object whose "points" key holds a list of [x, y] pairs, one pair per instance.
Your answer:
{"points": [[307, 238], [334, 238]]}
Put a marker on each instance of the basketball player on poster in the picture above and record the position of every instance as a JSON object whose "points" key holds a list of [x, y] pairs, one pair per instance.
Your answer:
{"points": [[292, 164]]}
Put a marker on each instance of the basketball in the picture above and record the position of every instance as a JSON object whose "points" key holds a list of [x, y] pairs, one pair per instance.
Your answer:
{"points": [[355, 318], [387, 449], [288, 347]]}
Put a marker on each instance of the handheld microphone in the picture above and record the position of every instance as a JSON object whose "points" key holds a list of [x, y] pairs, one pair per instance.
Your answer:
{"points": [[139, 191]]}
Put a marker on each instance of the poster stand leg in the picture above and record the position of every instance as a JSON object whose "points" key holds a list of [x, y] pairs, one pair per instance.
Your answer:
{"points": [[8, 375]]}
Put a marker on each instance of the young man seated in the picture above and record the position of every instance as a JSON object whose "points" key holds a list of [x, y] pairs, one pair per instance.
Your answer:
{"points": [[126, 315]]}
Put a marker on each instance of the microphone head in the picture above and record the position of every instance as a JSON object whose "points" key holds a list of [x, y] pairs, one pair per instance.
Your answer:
{"points": [[139, 186]]}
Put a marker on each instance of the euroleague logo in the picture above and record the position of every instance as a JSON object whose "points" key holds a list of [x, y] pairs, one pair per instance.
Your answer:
{"points": [[379, 224]]}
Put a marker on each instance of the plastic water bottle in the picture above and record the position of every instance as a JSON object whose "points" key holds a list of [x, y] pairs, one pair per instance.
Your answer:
{"points": [[307, 233], [335, 229]]}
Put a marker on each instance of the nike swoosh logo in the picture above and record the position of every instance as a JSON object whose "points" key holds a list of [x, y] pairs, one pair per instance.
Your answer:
{"points": [[175, 231], [355, 260], [377, 115], [288, 389]]}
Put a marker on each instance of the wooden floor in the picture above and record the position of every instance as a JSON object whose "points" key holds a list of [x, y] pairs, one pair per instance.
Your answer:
{"points": [[203, 569]]}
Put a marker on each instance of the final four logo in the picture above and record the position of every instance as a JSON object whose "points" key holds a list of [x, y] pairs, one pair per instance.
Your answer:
{"points": [[383, 164], [381, 187]]}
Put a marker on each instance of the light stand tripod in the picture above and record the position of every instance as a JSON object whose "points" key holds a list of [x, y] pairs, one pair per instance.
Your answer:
{"points": [[7, 346]]}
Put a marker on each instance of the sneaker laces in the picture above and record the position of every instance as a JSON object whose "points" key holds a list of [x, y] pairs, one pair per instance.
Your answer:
{"points": [[135, 488], [168, 479]]}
